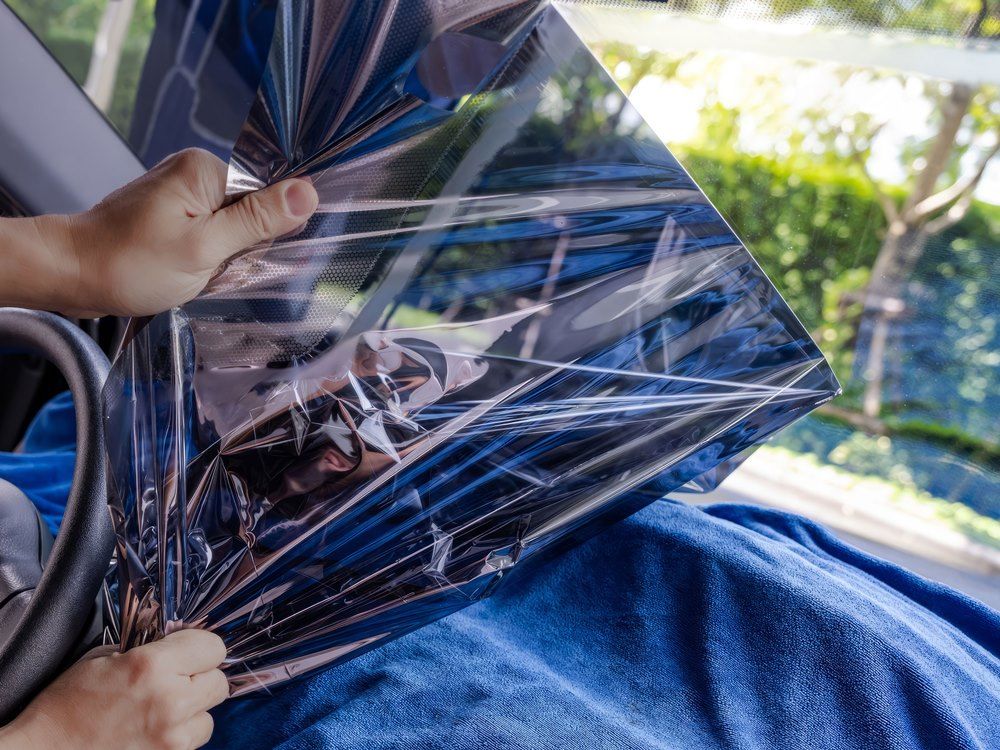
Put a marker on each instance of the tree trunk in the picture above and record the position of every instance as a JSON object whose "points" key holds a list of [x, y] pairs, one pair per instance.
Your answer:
{"points": [[884, 305], [953, 111], [904, 243], [106, 55]]}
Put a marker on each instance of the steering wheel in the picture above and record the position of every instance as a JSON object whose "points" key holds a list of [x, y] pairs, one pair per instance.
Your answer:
{"points": [[61, 605]]}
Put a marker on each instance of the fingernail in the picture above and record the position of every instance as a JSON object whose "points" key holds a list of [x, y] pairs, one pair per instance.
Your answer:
{"points": [[300, 199]]}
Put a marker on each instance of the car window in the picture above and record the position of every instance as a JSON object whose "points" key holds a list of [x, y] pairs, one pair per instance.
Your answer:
{"points": [[852, 146], [102, 44], [861, 170]]}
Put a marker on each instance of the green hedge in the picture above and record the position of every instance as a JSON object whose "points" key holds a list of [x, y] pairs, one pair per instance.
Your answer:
{"points": [[813, 229], [804, 227]]}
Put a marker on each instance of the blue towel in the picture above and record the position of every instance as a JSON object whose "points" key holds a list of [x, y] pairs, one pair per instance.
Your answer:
{"points": [[43, 467], [724, 627]]}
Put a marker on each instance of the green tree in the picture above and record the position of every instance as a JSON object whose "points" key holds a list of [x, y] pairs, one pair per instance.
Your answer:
{"points": [[969, 18], [937, 197]]}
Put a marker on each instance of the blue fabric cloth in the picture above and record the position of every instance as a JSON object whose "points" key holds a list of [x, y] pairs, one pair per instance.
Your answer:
{"points": [[724, 627], [43, 469]]}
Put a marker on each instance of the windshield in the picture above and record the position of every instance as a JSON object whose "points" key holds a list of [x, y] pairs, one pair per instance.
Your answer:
{"points": [[852, 146]]}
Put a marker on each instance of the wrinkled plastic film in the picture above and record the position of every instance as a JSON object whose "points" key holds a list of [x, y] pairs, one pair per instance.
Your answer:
{"points": [[514, 319]]}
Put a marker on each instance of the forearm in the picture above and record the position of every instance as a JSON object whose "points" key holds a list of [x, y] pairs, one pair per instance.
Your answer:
{"points": [[14, 736], [40, 267], [10, 740]]}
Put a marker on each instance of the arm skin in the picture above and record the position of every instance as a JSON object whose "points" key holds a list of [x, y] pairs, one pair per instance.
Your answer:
{"points": [[150, 246], [155, 697], [30, 269], [147, 247]]}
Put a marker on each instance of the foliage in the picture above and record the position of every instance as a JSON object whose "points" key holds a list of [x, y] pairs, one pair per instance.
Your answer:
{"points": [[73, 53], [48, 16], [815, 229], [957, 441], [836, 334], [816, 233], [947, 351], [955, 16], [975, 18], [82, 17], [804, 226]]}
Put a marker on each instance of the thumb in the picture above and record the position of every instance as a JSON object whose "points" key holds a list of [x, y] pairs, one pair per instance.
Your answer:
{"points": [[261, 216]]}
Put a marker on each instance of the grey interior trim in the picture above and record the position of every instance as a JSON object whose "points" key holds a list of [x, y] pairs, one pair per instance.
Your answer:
{"points": [[58, 154]]}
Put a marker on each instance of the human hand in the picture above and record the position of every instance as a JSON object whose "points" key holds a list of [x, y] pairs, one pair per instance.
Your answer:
{"points": [[156, 242], [154, 697]]}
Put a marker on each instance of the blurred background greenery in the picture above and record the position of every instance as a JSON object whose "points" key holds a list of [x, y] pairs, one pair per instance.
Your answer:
{"points": [[869, 194]]}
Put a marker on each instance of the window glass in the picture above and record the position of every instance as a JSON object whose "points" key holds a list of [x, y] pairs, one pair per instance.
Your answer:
{"points": [[861, 170], [853, 147], [100, 43]]}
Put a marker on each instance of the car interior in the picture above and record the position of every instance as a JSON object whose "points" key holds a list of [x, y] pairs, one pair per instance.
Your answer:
{"points": [[63, 155], [68, 156]]}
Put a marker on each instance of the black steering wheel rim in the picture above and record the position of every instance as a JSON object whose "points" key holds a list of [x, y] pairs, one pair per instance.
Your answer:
{"points": [[62, 603]]}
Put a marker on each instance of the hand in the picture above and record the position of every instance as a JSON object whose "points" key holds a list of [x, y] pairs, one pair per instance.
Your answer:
{"points": [[156, 242], [154, 697]]}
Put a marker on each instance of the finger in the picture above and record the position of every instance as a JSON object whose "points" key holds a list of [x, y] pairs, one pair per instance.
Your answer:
{"points": [[189, 651], [208, 690], [261, 216], [202, 174], [199, 730]]}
